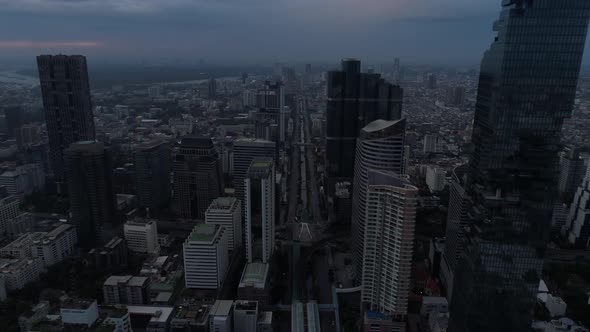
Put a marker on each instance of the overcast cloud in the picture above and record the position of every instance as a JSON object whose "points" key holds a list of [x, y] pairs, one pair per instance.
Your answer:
{"points": [[248, 31]]}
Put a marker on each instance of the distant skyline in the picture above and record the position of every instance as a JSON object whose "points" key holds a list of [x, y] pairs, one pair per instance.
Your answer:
{"points": [[251, 31]]}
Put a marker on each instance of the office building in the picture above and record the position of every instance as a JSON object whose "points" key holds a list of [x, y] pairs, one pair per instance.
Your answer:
{"points": [[380, 146], [459, 205], [221, 316], [142, 236], [435, 178], [126, 290], [18, 272], [431, 143], [523, 99], [455, 96], [572, 172], [389, 235], [55, 246], [152, 175], [24, 179], [577, 226], [260, 210], [67, 105], [270, 101], [355, 99], [244, 151], [198, 178], [27, 136], [254, 284], [246, 315], [88, 166], [212, 88], [206, 257], [431, 82], [9, 209], [227, 211], [79, 312]]}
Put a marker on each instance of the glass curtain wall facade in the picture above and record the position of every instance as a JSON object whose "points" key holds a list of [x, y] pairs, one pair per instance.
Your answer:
{"points": [[526, 89]]}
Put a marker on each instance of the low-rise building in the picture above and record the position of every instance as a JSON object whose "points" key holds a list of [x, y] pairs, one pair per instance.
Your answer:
{"points": [[150, 318], [54, 246], [254, 285], [142, 236], [21, 247], [265, 321], [246, 315], [112, 254], [193, 318], [221, 316], [79, 312], [126, 290], [19, 272], [29, 318]]}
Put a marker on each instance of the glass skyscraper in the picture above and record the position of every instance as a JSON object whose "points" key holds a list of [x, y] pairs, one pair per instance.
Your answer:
{"points": [[526, 89], [355, 99]]}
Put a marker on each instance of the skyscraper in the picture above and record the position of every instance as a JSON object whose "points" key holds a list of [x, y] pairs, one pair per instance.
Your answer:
{"points": [[270, 101], [212, 88], [245, 150], [152, 175], [380, 146], [88, 166], [572, 172], [260, 210], [198, 178], [391, 217], [527, 87], [66, 100], [227, 211], [354, 100]]}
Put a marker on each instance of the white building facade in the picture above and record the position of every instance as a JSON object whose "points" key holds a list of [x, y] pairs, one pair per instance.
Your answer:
{"points": [[391, 217], [260, 210], [227, 211], [206, 257], [142, 236]]}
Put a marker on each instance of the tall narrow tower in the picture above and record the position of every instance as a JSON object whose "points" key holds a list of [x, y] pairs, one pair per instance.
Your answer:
{"points": [[260, 210], [66, 100], [380, 146]]}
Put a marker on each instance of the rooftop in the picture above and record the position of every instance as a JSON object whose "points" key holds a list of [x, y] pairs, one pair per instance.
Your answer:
{"points": [[254, 275], [221, 308], [223, 203], [246, 305], [260, 167], [77, 303], [204, 233], [158, 314], [193, 313], [127, 280]]}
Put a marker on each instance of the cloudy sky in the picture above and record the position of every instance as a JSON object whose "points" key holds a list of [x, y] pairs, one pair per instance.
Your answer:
{"points": [[250, 31]]}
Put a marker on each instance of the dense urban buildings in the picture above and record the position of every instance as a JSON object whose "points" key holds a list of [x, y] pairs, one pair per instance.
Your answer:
{"points": [[197, 177], [260, 210], [354, 100], [67, 104], [523, 99], [380, 146], [88, 166]]}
